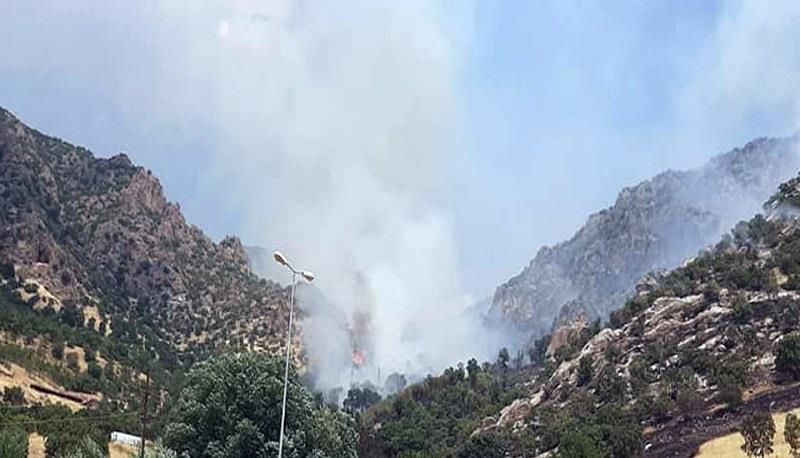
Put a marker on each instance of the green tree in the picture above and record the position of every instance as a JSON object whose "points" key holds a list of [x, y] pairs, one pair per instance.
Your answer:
{"points": [[787, 359], [580, 444], [360, 399], [14, 396], [473, 369], [57, 350], [585, 371], [13, 442], [502, 358], [486, 445], [791, 432], [231, 407], [758, 431]]}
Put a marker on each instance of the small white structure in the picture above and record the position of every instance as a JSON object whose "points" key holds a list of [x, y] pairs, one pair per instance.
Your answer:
{"points": [[126, 439]]}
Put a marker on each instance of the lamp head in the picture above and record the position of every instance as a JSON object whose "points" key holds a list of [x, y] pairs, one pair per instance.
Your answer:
{"points": [[280, 258], [307, 275]]}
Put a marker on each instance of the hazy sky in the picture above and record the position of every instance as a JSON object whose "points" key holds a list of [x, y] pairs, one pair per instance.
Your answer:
{"points": [[500, 125]]}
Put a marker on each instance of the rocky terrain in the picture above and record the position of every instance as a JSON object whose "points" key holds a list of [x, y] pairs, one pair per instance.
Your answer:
{"points": [[652, 226], [688, 355], [96, 238]]}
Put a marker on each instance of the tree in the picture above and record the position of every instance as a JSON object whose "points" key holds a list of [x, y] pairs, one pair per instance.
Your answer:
{"points": [[13, 395], [231, 407], [95, 370], [791, 433], [502, 358], [57, 350], [502, 362], [486, 445], [580, 444], [787, 359], [758, 431], [473, 369], [585, 371], [13, 442], [360, 399]]}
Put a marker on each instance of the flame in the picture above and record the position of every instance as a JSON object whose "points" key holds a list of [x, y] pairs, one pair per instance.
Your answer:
{"points": [[359, 358]]}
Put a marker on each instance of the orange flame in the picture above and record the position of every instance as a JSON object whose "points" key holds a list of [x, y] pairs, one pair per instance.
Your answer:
{"points": [[359, 358]]}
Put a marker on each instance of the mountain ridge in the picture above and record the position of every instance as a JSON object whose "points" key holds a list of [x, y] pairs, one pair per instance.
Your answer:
{"points": [[99, 233], [651, 226]]}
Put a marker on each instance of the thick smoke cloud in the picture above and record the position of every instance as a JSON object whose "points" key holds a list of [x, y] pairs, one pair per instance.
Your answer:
{"points": [[337, 122]]}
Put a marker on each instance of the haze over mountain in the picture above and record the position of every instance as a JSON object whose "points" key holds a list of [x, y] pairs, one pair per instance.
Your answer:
{"points": [[653, 226]]}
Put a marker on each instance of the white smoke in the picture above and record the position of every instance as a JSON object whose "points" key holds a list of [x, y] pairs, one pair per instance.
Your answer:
{"points": [[337, 122]]}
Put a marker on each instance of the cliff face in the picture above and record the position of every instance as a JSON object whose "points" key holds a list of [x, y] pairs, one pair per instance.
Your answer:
{"points": [[99, 233], [652, 226]]}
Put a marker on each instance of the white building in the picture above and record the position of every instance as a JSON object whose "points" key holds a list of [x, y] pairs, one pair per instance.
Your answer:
{"points": [[126, 439]]}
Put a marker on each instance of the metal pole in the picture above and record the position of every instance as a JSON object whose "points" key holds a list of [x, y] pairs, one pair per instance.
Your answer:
{"points": [[286, 370]]}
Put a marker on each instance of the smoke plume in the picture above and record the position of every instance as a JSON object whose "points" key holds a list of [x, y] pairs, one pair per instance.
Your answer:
{"points": [[335, 132]]}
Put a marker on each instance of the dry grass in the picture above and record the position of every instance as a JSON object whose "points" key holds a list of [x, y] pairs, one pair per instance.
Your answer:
{"points": [[117, 450], [22, 378], [731, 445], [35, 446]]}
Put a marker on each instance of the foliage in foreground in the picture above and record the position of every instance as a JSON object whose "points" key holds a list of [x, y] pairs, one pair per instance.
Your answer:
{"points": [[13, 442], [231, 407]]}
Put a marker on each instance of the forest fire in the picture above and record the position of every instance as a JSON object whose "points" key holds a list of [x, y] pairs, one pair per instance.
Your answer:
{"points": [[359, 358]]}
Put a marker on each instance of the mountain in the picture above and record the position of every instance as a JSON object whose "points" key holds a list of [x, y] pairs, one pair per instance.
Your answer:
{"points": [[688, 357], [652, 226], [96, 238]]}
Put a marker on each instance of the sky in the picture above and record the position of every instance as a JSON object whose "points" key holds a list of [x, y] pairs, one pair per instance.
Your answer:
{"points": [[380, 137]]}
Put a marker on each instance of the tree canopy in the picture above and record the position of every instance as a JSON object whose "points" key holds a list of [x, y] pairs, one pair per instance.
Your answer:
{"points": [[231, 407]]}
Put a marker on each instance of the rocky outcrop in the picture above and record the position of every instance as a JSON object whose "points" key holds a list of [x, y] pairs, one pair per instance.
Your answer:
{"points": [[100, 233], [691, 344], [652, 226]]}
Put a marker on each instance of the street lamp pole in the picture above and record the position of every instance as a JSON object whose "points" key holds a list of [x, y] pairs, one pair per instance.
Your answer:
{"points": [[281, 259]]}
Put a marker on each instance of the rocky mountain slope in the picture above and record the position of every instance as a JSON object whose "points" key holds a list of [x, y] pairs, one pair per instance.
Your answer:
{"points": [[652, 226], [692, 353], [97, 238]]}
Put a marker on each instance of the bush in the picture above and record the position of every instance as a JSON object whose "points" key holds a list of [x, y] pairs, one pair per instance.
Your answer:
{"points": [[13, 443], [609, 386], [86, 449], [57, 350], [758, 431], [7, 270], [580, 444], [791, 433], [14, 395], [95, 371], [787, 359], [486, 445], [585, 371]]}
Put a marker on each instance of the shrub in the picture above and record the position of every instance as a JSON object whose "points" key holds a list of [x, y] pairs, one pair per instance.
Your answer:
{"points": [[791, 433], [580, 443], [585, 371], [787, 359], [57, 350], [14, 395], [13, 443], [758, 431], [610, 387], [73, 362]]}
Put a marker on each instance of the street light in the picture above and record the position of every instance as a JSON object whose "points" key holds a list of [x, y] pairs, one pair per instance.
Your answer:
{"points": [[281, 259]]}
